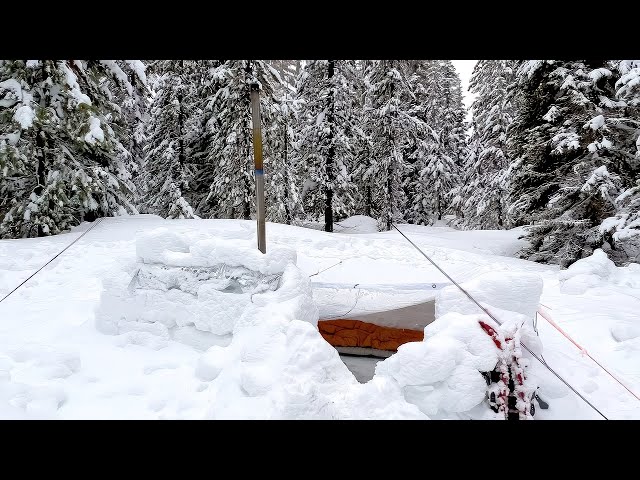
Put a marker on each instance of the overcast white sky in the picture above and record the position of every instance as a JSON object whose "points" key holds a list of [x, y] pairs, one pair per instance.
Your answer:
{"points": [[465, 68]]}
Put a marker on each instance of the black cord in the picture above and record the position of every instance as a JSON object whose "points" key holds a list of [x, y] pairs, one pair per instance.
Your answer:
{"points": [[60, 253]]}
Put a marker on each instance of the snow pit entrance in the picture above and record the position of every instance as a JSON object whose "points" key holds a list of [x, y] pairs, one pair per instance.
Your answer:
{"points": [[374, 320]]}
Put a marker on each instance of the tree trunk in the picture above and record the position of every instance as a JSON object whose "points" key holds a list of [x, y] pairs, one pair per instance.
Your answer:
{"points": [[328, 207], [181, 154], [40, 170], [392, 164], [287, 211], [367, 205]]}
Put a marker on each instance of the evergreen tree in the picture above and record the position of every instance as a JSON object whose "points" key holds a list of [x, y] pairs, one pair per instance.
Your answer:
{"points": [[442, 145], [136, 105], [622, 231], [362, 175], [62, 157], [281, 186], [485, 190], [394, 130], [167, 172], [572, 142], [327, 127], [228, 137]]}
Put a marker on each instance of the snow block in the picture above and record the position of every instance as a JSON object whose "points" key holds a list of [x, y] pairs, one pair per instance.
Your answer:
{"points": [[207, 284], [512, 292]]}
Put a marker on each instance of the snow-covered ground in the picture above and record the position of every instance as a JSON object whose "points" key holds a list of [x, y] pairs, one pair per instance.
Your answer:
{"points": [[57, 360]]}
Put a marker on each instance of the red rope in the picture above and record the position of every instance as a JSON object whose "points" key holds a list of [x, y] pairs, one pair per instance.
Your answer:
{"points": [[583, 350]]}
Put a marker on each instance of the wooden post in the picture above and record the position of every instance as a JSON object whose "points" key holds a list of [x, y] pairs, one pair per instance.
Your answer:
{"points": [[259, 172]]}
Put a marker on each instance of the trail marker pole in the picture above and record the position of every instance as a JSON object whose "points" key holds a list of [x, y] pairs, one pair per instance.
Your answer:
{"points": [[259, 172]]}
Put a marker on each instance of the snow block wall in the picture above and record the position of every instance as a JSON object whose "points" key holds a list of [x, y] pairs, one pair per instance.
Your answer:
{"points": [[441, 375], [206, 284], [273, 362]]}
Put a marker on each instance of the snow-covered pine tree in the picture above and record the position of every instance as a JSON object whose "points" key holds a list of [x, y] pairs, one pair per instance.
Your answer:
{"points": [[166, 169], [281, 186], [229, 136], [417, 72], [362, 175], [135, 105], [288, 71], [572, 143], [441, 147], [485, 190], [61, 146], [391, 128], [326, 130], [622, 231]]}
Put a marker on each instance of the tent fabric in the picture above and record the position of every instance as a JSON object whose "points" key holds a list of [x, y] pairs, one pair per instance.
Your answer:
{"points": [[345, 332]]}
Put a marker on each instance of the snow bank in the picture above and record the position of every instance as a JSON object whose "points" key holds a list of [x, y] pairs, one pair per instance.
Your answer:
{"points": [[277, 367], [597, 270], [357, 224], [165, 247]]}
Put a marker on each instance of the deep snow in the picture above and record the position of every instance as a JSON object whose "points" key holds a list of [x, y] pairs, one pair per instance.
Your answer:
{"points": [[55, 363]]}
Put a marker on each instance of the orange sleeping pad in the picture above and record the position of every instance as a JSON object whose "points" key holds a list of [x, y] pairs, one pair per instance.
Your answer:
{"points": [[355, 333]]}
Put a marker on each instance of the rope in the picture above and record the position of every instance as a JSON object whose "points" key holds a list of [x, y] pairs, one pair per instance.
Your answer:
{"points": [[583, 350], [320, 271], [498, 322], [358, 296], [59, 253]]}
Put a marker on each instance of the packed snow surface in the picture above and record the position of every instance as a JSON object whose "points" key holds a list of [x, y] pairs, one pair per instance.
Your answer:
{"points": [[150, 318]]}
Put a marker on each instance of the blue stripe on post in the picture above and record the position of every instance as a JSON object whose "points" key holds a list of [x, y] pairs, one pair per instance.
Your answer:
{"points": [[259, 171]]}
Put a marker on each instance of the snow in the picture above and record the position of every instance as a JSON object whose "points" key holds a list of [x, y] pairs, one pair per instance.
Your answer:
{"points": [[357, 224], [139, 68], [442, 373], [595, 123], [72, 81], [595, 271], [117, 72], [95, 132], [13, 85], [103, 332], [24, 116]]}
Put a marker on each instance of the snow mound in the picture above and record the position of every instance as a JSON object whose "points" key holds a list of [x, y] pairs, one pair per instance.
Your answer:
{"points": [[596, 270], [357, 224], [442, 373], [277, 367]]}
